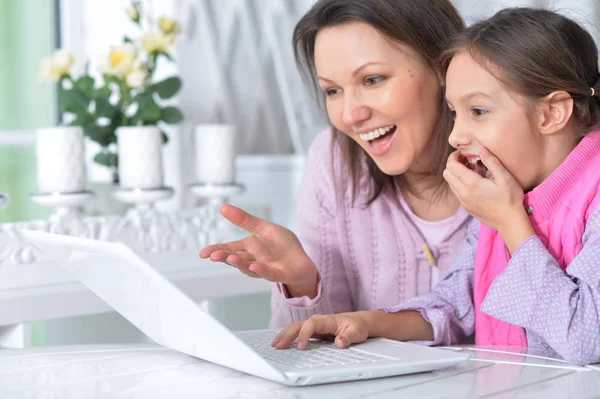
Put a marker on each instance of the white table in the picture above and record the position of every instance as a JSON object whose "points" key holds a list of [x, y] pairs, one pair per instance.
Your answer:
{"points": [[149, 371]]}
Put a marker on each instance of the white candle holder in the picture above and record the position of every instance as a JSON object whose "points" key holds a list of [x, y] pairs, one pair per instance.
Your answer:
{"points": [[215, 195], [66, 204], [143, 198]]}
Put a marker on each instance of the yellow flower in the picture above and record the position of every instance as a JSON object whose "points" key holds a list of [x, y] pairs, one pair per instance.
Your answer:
{"points": [[120, 60], [55, 67], [169, 26], [158, 42]]}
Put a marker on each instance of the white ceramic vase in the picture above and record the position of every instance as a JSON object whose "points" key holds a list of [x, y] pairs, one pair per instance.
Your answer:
{"points": [[140, 157], [60, 159], [215, 153]]}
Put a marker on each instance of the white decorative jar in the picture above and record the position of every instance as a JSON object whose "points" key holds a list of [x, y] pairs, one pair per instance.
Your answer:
{"points": [[215, 153], [60, 159], [140, 157]]}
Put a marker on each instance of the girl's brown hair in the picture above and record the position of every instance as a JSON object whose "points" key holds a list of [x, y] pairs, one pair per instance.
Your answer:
{"points": [[534, 53], [424, 25]]}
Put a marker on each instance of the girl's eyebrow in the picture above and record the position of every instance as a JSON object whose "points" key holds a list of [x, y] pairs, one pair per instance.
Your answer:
{"points": [[473, 94]]}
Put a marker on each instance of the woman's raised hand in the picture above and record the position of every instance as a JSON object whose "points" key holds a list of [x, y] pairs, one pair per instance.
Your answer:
{"points": [[270, 251]]}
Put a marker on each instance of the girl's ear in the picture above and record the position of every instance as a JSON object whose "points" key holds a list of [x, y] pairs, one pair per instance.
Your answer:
{"points": [[555, 111]]}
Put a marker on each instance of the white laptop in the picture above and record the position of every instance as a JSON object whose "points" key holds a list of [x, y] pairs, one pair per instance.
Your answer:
{"points": [[165, 314]]}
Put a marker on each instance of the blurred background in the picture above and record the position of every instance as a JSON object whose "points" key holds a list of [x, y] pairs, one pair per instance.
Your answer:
{"points": [[235, 60]]}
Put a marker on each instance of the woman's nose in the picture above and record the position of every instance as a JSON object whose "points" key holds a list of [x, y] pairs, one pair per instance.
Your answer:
{"points": [[355, 112]]}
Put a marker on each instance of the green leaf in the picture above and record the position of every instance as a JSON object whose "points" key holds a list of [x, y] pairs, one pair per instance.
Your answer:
{"points": [[104, 108], [124, 90], [127, 39], [103, 135], [165, 138], [86, 85], [149, 112], [82, 119], [107, 159], [167, 88], [102, 92], [171, 115], [73, 100]]}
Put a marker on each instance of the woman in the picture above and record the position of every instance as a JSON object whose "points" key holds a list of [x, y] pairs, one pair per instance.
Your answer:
{"points": [[376, 222]]}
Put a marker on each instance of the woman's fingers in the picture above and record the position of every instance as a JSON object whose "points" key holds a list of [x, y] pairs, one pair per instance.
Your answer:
{"points": [[316, 325], [232, 246], [351, 334], [287, 335], [243, 219]]}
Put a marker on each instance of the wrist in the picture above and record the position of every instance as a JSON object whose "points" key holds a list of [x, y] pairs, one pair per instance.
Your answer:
{"points": [[405, 325], [375, 321], [309, 289], [516, 230]]}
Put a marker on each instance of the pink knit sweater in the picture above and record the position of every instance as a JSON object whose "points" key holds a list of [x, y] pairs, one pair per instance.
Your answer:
{"points": [[368, 257]]}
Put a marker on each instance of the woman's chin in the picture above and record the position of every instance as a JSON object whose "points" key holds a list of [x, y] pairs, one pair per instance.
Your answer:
{"points": [[390, 168]]}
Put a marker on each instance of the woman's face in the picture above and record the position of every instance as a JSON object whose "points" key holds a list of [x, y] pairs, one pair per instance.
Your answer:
{"points": [[382, 95]]}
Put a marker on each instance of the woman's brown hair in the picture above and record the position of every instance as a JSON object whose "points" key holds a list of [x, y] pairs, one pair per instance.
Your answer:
{"points": [[424, 25], [535, 52]]}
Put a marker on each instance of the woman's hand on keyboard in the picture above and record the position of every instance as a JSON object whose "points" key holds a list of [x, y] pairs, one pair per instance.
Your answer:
{"points": [[343, 328], [270, 251]]}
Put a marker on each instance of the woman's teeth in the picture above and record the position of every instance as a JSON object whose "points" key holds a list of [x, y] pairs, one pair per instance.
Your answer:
{"points": [[382, 131], [474, 161]]}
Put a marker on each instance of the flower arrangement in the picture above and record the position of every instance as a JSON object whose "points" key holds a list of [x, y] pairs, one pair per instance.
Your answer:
{"points": [[125, 93]]}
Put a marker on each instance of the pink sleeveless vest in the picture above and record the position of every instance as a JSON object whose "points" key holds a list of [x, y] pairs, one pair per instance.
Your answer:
{"points": [[560, 208]]}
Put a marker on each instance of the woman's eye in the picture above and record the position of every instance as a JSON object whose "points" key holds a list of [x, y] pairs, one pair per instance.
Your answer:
{"points": [[479, 111], [331, 92], [372, 80]]}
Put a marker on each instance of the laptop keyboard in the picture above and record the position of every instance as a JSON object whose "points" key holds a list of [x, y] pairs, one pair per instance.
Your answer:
{"points": [[317, 354]]}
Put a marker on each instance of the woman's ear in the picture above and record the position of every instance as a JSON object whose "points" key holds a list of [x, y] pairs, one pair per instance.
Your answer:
{"points": [[554, 111]]}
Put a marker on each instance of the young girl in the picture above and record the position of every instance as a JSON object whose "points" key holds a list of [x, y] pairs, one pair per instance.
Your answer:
{"points": [[523, 87]]}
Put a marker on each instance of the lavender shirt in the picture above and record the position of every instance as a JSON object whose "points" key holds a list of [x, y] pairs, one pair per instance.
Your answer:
{"points": [[565, 314]]}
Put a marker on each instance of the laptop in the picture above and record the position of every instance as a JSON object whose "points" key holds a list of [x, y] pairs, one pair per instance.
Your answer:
{"points": [[166, 315]]}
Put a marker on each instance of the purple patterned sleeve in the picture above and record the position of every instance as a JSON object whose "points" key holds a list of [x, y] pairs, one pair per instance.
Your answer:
{"points": [[449, 307], [562, 309]]}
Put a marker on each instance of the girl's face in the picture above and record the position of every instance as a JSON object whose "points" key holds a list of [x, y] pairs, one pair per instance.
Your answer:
{"points": [[488, 115], [382, 95]]}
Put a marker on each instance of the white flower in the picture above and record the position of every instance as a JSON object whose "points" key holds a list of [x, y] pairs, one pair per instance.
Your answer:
{"points": [[120, 60], [158, 42], [137, 78], [169, 26], [63, 60], [56, 66]]}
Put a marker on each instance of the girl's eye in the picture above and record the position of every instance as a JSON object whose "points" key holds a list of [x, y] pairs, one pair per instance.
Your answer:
{"points": [[372, 80], [479, 111], [331, 92]]}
